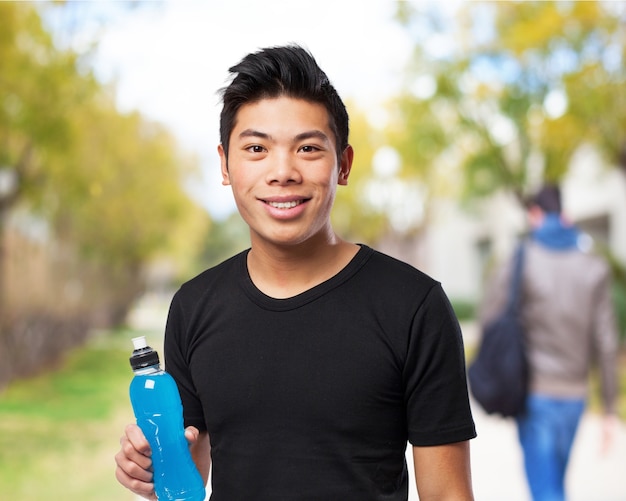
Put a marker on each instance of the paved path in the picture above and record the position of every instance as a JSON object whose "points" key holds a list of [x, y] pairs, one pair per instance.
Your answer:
{"points": [[497, 468]]}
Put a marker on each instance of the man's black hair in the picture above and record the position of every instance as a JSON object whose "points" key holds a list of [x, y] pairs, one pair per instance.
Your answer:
{"points": [[548, 198], [282, 71]]}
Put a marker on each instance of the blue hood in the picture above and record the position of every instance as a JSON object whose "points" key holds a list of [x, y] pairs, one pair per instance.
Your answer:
{"points": [[555, 235]]}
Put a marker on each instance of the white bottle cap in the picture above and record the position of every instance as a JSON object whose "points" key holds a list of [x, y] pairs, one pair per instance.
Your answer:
{"points": [[139, 342]]}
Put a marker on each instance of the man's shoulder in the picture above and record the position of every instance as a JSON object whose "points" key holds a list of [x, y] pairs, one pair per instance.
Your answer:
{"points": [[586, 260], [219, 276], [594, 263], [393, 269]]}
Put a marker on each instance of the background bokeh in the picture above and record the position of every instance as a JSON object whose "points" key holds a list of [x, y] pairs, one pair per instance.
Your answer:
{"points": [[110, 194]]}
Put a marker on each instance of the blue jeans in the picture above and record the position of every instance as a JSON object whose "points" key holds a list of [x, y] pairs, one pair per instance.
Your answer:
{"points": [[546, 433]]}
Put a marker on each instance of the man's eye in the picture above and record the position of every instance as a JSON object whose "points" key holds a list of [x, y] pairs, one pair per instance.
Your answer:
{"points": [[255, 148], [308, 148]]}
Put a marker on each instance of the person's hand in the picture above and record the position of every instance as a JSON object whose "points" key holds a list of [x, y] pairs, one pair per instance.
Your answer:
{"points": [[610, 424], [134, 463], [191, 434]]}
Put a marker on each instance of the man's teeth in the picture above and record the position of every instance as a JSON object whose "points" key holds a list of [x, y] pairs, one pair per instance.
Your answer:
{"points": [[285, 205]]}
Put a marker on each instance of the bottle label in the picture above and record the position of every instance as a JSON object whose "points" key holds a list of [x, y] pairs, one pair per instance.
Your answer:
{"points": [[149, 385]]}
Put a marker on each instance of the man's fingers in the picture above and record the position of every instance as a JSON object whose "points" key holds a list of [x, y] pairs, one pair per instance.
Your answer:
{"points": [[132, 460], [139, 487], [138, 440]]}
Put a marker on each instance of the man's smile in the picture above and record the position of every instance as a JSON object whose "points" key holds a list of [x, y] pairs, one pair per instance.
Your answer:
{"points": [[285, 205]]}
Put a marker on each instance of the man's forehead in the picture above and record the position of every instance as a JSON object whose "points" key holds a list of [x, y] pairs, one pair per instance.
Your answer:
{"points": [[281, 103], [273, 117]]}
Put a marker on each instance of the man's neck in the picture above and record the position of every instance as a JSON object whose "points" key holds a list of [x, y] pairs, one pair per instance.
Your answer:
{"points": [[283, 272]]}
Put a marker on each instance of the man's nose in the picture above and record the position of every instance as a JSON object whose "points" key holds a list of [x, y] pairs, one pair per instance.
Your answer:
{"points": [[283, 169]]}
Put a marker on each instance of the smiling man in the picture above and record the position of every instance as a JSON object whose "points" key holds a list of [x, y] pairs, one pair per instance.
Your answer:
{"points": [[307, 362]]}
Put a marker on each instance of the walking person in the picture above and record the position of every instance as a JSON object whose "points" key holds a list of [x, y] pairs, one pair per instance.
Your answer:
{"points": [[569, 318], [306, 362]]}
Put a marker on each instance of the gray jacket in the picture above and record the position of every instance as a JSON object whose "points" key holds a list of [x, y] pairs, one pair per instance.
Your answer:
{"points": [[569, 319]]}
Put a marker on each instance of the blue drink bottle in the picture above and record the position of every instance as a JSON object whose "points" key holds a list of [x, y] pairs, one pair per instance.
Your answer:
{"points": [[159, 413]]}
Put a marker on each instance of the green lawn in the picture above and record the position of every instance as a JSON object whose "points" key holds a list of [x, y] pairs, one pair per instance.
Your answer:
{"points": [[60, 430]]}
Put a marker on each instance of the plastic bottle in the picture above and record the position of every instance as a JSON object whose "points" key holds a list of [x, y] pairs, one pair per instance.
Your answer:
{"points": [[159, 413]]}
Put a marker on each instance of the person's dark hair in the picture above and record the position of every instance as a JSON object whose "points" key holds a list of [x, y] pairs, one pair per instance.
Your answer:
{"points": [[281, 71], [548, 198]]}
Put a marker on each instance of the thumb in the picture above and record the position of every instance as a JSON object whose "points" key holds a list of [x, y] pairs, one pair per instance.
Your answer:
{"points": [[191, 434]]}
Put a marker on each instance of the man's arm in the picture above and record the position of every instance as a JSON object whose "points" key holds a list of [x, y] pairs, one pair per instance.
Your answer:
{"points": [[443, 472], [201, 453]]}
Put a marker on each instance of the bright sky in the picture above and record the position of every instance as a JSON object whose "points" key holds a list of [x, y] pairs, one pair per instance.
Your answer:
{"points": [[170, 62]]}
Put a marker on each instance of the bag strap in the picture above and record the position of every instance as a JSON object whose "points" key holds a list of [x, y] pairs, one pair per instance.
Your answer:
{"points": [[516, 280]]}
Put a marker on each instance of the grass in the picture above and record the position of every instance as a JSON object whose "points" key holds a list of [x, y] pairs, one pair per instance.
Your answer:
{"points": [[60, 430]]}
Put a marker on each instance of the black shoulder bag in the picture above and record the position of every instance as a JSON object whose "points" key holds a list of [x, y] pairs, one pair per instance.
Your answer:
{"points": [[498, 375]]}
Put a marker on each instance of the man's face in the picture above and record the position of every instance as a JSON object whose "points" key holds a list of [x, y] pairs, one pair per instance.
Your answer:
{"points": [[283, 170]]}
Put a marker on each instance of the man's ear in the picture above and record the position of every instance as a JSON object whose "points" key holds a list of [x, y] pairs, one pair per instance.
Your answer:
{"points": [[346, 165], [224, 165]]}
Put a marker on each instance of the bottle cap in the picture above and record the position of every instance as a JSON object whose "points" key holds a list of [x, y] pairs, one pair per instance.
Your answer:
{"points": [[143, 355], [139, 342]]}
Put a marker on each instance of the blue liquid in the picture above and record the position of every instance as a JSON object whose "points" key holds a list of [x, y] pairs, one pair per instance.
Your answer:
{"points": [[159, 413]]}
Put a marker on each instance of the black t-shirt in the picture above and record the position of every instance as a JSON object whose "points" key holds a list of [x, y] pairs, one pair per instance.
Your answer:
{"points": [[314, 397]]}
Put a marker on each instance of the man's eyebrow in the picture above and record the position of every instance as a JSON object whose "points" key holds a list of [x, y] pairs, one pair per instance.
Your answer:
{"points": [[254, 133], [311, 134]]}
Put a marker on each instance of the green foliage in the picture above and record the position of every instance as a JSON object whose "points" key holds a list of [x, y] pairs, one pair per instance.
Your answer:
{"points": [[464, 309], [419, 133], [32, 120], [108, 187], [60, 430], [491, 106], [225, 239], [354, 216], [126, 175], [109, 183]]}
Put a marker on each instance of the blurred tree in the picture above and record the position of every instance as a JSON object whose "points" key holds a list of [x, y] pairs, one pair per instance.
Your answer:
{"points": [[355, 213], [516, 88], [109, 188], [110, 183], [117, 194], [117, 191], [520, 87], [226, 238], [37, 85]]}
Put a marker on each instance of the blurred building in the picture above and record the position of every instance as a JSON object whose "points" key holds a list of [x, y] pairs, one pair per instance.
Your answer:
{"points": [[462, 243]]}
